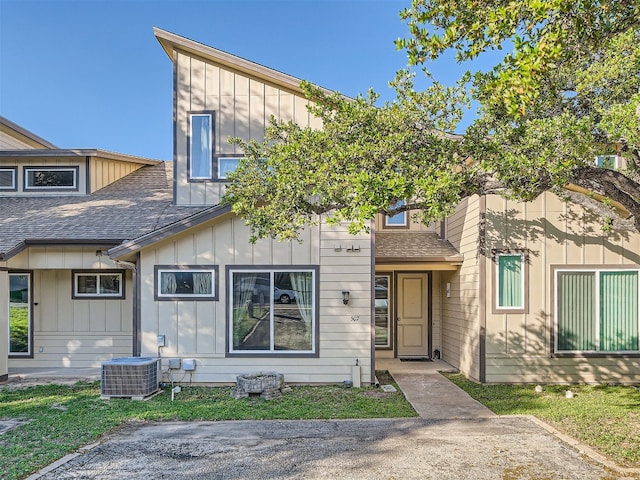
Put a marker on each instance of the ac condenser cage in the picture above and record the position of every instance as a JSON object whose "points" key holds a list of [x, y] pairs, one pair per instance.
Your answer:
{"points": [[134, 377]]}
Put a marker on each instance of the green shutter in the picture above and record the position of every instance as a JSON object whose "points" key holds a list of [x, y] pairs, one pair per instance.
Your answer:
{"points": [[510, 283], [576, 311], [618, 311]]}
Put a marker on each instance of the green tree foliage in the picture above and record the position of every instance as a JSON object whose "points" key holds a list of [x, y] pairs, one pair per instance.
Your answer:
{"points": [[568, 90]]}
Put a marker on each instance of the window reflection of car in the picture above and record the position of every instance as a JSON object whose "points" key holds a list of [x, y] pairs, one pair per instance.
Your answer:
{"points": [[283, 295], [261, 286], [382, 297]]}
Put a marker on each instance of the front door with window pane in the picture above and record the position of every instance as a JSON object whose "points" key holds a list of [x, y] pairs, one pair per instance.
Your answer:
{"points": [[413, 315], [20, 314]]}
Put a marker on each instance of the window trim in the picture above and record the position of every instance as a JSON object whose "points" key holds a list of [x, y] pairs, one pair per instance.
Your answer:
{"points": [[159, 269], [616, 160], [75, 169], [315, 329], [596, 269], [217, 159], [524, 284], [31, 326], [212, 144], [405, 218], [14, 183], [97, 296]]}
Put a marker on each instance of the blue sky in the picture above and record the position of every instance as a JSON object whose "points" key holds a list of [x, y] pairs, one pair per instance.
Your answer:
{"points": [[90, 74]]}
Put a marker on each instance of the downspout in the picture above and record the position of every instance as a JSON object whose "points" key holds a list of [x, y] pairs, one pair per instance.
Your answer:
{"points": [[373, 303], [136, 327]]}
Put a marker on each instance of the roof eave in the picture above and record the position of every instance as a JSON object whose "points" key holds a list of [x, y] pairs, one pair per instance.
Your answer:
{"points": [[79, 153], [57, 242]]}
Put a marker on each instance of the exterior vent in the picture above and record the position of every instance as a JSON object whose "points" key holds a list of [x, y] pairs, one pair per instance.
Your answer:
{"points": [[134, 377]]}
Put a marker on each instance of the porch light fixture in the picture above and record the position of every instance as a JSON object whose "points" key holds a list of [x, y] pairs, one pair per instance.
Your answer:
{"points": [[345, 297]]}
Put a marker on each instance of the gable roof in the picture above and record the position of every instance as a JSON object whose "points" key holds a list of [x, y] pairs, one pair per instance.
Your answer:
{"points": [[23, 135], [403, 247], [137, 204]]}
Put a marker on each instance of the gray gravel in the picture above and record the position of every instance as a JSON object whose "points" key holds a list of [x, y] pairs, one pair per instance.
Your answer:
{"points": [[505, 448]]}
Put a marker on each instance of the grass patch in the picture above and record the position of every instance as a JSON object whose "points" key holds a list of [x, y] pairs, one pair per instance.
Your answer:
{"points": [[59, 419], [607, 418]]}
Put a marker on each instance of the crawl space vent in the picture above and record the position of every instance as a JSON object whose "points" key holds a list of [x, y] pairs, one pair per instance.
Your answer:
{"points": [[135, 377]]}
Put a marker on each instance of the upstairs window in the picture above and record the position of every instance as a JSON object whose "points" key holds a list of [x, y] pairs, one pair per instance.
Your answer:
{"points": [[608, 161], [8, 178], [227, 165], [201, 146], [51, 178], [399, 220]]}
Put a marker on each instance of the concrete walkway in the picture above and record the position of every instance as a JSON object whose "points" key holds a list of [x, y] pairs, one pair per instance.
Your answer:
{"points": [[431, 395]]}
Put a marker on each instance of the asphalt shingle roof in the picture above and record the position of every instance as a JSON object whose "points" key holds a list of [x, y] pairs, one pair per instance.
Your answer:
{"points": [[418, 246], [132, 206]]}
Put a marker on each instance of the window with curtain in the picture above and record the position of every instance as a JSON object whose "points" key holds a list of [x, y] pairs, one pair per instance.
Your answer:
{"points": [[597, 311], [382, 311], [189, 282], [272, 311], [510, 281], [201, 146]]}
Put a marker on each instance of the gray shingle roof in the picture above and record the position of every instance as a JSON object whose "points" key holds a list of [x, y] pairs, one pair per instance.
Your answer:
{"points": [[128, 208], [414, 246]]}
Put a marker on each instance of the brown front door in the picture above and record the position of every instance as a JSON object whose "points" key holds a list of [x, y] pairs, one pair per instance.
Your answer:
{"points": [[413, 315]]}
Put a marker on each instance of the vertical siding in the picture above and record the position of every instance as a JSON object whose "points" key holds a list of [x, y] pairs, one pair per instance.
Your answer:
{"points": [[519, 346], [460, 312], [104, 172], [198, 329]]}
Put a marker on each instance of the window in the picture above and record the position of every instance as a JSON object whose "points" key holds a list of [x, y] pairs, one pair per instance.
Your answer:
{"points": [[382, 311], [273, 311], [509, 282], [596, 311], [20, 318], [227, 165], [103, 284], [188, 282], [397, 220], [200, 146], [607, 161], [51, 178], [7, 178]]}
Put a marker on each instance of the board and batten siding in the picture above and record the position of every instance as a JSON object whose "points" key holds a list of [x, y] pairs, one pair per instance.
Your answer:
{"points": [[460, 327], [73, 333], [104, 172], [243, 106], [198, 329], [553, 233]]}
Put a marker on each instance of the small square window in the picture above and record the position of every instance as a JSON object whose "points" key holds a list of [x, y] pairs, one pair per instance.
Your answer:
{"points": [[188, 282], [227, 165], [51, 178], [103, 284], [8, 178], [608, 161], [397, 220]]}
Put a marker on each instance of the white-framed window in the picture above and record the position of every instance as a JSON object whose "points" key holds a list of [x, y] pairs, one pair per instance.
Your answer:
{"points": [[399, 220], [51, 178], [201, 145], [8, 178], [510, 274], [596, 310], [186, 282], [20, 315], [102, 284], [382, 289], [227, 165], [272, 310], [612, 162]]}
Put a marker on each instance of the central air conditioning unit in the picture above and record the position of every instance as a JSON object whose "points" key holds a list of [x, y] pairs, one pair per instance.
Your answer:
{"points": [[135, 377]]}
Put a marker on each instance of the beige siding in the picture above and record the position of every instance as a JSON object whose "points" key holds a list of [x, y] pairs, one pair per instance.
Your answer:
{"points": [[9, 142], [519, 346], [104, 172], [414, 225], [45, 161], [76, 332], [198, 330], [242, 106], [460, 331]]}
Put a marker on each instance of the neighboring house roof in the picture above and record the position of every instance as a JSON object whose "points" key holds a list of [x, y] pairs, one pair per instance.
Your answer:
{"points": [[23, 135], [137, 204], [414, 247], [76, 152]]}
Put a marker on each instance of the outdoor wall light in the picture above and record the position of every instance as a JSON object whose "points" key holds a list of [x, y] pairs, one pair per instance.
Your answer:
{"points": [[345, 297]]}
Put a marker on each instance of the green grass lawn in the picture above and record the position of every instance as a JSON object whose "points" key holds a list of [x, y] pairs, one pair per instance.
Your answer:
{"points": [[59, 419], [606, 418]]}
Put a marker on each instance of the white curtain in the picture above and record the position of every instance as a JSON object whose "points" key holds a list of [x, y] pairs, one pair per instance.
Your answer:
{"points": [[202, 283], [302, 283], [247, 284], [169, 283]]}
